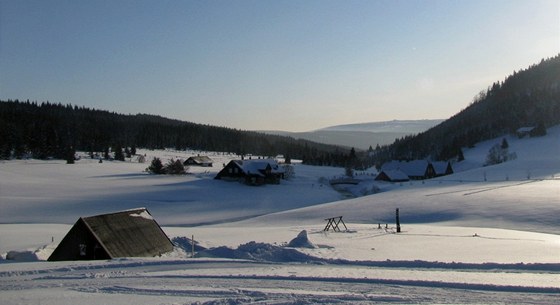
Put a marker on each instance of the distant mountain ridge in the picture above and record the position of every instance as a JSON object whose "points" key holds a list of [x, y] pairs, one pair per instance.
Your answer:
{"points": [[406, 126], [363, 135]]}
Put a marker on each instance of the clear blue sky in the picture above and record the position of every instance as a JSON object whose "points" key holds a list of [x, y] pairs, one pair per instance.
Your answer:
{"points": [[259, 65]]}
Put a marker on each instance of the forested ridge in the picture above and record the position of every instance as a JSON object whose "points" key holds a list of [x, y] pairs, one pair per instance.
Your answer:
{"points": [[52, 130], [530, 97]]}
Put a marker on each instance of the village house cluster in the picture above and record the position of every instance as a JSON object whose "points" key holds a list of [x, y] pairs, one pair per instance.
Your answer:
{"points": [[252, 171], [401, 171]]}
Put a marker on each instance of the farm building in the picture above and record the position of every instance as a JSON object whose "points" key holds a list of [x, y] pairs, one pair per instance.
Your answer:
{"points": [[131, 233], [395, 171], [252, 172], [392, 175], [415, 170], [525, 131], [203, 161], [442, 168]]}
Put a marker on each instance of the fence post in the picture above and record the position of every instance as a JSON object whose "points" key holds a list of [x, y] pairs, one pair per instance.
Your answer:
{"points": [[398, 222], [192, 245]]}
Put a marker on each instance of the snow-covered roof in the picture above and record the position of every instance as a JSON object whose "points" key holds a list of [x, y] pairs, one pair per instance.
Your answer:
{"points": [[201, 159], [525, 129], [411, 168], [440, 167], [396, 175], [256, 166], [390, 165]]}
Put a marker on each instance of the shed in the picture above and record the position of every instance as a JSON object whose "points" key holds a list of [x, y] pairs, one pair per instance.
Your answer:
{"points": [[203, 161], [525, 131], [130, 233]]}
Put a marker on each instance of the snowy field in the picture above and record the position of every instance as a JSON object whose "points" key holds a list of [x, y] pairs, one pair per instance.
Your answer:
{"points": [[484, 235]]}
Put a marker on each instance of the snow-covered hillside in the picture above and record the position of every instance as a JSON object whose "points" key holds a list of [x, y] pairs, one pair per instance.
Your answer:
{"points": [[482, 235]]}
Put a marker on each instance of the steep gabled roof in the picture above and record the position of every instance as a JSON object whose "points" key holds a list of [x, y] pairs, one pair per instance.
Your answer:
{"points": [[415, 168], [393, 175], [441, 167], [391, 165], [130, 233]]}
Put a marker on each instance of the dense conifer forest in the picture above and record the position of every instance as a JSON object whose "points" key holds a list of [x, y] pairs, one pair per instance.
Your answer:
{"points": [[49, 130], [530, 97]]}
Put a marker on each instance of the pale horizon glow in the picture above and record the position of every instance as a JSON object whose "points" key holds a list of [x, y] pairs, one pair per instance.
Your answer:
{"points": [[270, 65]]}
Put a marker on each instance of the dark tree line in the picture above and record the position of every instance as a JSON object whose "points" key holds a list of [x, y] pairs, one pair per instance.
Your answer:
{"points": [[529, 97], [50, 130]]}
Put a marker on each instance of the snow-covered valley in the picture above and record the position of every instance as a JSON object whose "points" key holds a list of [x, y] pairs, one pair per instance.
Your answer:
{"points": [[484, 235]]}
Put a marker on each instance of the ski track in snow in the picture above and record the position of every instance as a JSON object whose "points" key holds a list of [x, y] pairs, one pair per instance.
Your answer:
{"points": [[244, 282]]}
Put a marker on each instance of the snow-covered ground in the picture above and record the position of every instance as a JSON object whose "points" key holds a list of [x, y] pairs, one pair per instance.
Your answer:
{"points": [[485, 235]]}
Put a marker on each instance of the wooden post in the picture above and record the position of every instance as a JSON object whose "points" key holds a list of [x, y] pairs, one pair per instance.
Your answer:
{"points": [[398, 222], [192, 246]]}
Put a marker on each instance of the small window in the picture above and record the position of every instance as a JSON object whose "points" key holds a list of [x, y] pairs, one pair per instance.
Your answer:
{"points": [[83, 249]]}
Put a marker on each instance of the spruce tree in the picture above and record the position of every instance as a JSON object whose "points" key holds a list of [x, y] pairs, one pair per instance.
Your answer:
{"points": [[70, 155], [505, 144], [460, 156], [539, 131], [5, 152], [119, 153], [156, 167], [287, 159], [174, 167]]}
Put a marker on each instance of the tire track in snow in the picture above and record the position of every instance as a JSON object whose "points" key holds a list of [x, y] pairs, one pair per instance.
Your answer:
{"points": [[476, 190], [418, 283], [251, 289]]}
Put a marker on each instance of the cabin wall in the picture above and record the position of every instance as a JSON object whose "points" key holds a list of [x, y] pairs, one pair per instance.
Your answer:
{"points": [[78, 244], [231, 172]]}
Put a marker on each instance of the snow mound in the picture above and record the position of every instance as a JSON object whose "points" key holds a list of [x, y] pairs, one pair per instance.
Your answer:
{"points": [[261, 252], [30, 255], [185, 243], [301, 241], [22, 256]]}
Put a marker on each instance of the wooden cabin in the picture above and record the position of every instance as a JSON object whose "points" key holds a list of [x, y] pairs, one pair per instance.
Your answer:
{"points": [[130, 233]]}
